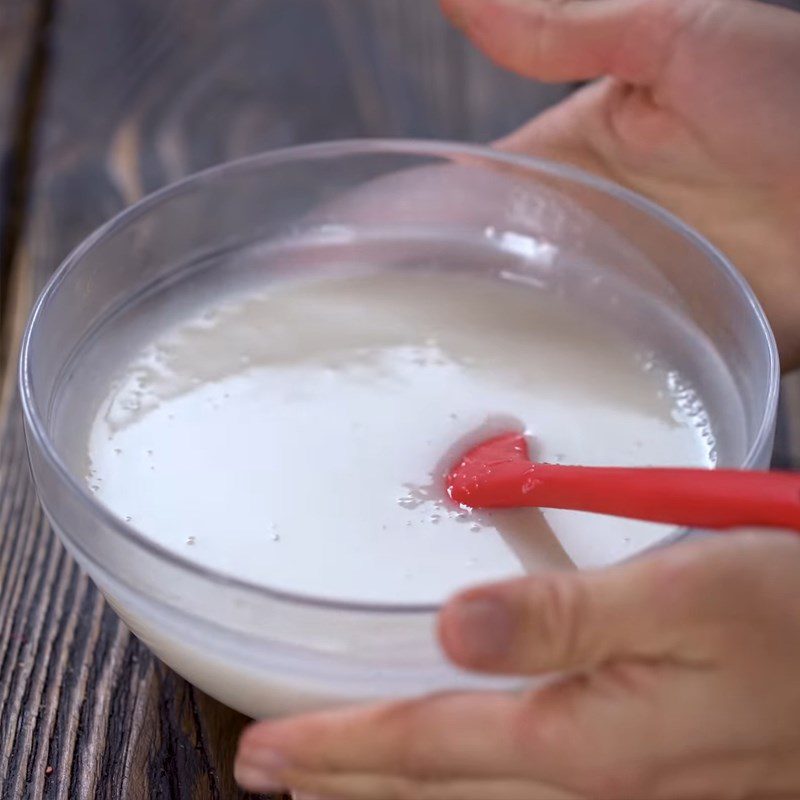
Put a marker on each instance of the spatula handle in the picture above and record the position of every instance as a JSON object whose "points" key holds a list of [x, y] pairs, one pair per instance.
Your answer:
{"points": [[692, 497]]}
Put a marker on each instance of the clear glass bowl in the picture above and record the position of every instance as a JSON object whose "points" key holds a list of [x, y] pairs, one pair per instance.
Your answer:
{"points": [[264, 651]]}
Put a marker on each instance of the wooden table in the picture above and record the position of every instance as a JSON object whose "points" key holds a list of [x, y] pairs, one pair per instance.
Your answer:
{"points": [[102, 101]]}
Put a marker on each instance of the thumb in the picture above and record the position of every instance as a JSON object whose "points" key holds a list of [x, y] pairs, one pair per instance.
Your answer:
{"points": [[565, 621], [568, 40]]}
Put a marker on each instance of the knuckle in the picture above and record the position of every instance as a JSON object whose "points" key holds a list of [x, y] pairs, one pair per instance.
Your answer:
{"points": [[560, 606], [410, 750], [656, 34]]}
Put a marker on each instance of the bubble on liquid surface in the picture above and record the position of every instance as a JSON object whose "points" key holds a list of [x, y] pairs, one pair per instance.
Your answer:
{"points": [[415, 496], [647, 360], [689, 408]]}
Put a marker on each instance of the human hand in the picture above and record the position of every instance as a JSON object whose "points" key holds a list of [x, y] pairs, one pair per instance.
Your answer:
{"points": [[680, 681], [697, 108]]}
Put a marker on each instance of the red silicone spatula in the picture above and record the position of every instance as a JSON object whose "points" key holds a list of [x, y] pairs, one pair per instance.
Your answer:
{"points": [[498, 473]]}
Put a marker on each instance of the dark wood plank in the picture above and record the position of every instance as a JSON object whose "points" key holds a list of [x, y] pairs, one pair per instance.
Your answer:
{"points": [[140, 93], [20, 20], [17, 30]]}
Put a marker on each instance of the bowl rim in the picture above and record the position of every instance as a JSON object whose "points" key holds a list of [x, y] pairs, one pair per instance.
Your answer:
{"points": [[442, 149]]}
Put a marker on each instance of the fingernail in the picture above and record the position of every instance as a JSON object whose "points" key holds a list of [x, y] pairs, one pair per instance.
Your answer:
{"points": [[257, 770], [305, 796], [484, 629]]}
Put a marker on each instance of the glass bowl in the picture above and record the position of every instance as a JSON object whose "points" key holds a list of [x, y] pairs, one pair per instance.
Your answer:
{"points": [[264, 651]]}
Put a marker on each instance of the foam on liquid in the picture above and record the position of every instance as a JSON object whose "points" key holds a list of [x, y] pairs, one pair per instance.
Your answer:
{"points": [[290, 434]]}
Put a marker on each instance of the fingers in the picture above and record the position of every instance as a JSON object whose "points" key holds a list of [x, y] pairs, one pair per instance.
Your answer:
{"points": [[566, 40], [550, 743], [442, 736], [654, 608], [615, 731], [559, 621], [452, 741], [404, 749]]}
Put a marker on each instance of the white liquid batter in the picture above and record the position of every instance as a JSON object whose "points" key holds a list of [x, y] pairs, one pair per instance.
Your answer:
{"points": [[290, 434]]}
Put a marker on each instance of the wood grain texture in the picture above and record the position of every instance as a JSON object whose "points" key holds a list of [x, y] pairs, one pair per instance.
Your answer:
{"points": [[17, 31], [139, 93], [20, 24]]}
